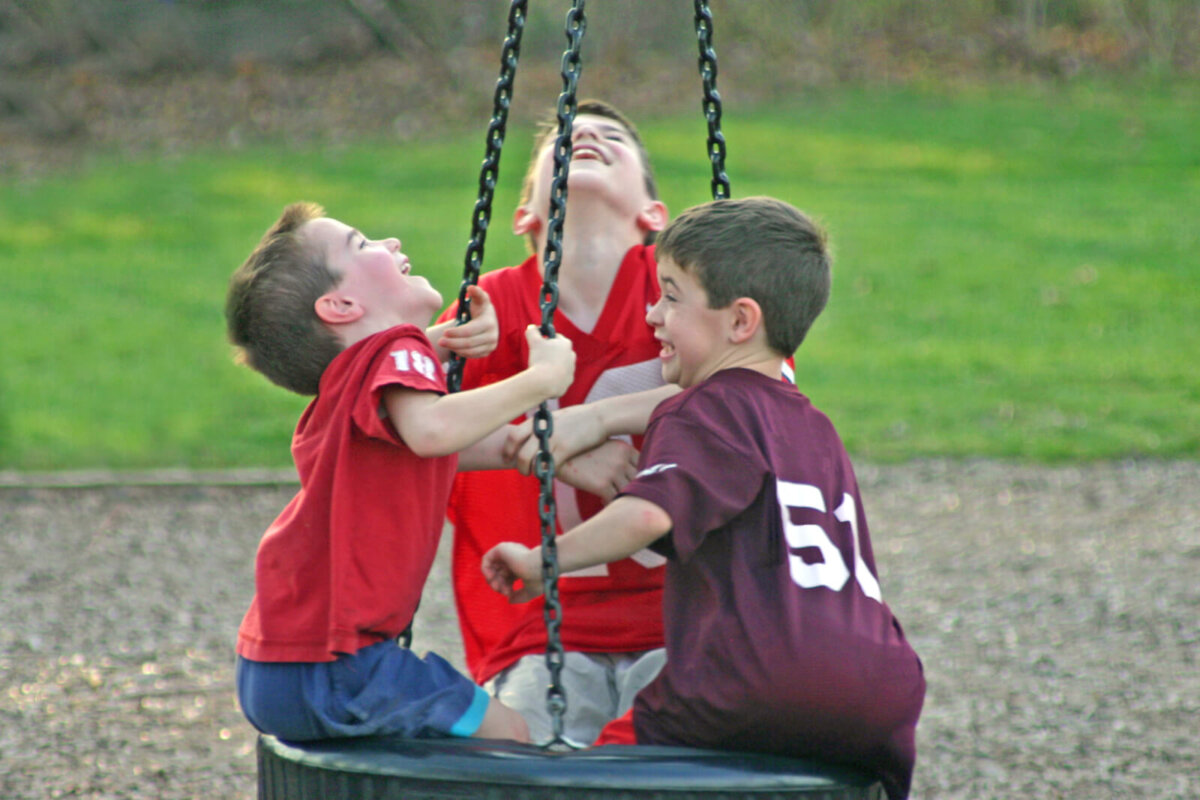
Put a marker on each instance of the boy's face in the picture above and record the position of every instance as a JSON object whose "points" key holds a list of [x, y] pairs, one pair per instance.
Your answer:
{"points": [[604, 160], [692, 334], [375, 274]]}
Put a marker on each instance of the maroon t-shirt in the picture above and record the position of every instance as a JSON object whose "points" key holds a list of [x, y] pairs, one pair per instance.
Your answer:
{"points": [[777, 637]]}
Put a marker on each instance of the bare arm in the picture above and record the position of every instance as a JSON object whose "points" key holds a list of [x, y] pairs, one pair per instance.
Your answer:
{"points": [[602, 471], [582, 427], [622, 528], [437, 425], [487, 453]]}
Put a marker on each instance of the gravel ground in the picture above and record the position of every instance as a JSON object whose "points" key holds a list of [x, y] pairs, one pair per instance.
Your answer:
{"points": [[1056, 609]]}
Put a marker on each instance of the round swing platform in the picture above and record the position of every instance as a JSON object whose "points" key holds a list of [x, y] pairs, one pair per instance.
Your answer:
{"points": [[424, 769]]}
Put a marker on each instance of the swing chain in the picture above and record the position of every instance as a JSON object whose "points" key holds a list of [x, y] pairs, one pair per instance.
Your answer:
{"points": [[712, 100], [543, 427], [572, 65], [488, 175]]}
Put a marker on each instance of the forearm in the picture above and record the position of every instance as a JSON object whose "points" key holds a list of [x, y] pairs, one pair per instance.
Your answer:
{"points": [[630, 413], [580, 428], [487, 453], [453, 422], [622, 528]]}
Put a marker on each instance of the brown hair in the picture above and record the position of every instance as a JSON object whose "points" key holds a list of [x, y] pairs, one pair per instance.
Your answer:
{"points": [[548, 130], [270, 307], [756, 247]]}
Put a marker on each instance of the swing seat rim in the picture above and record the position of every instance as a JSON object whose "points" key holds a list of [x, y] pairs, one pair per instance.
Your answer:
{"points": [[609, 767]]}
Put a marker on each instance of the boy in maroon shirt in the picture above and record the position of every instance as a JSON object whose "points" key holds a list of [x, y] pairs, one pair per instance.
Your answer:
{"points": [[777, 637]]}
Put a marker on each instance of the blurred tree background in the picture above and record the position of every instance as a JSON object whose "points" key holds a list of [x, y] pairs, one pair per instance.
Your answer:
{"points": [[133, 75]]}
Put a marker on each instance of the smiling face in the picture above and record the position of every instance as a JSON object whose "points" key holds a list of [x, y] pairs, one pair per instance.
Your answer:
{"points": [[374, 274], [607, 165], [693, 336]]}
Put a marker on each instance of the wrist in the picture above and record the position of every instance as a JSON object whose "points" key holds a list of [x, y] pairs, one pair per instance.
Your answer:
{"points": [[605, 421], [545, 382], [533, 563]]}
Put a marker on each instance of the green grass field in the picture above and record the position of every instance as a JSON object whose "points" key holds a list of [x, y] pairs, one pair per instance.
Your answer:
{"points": [[1015, 273]]}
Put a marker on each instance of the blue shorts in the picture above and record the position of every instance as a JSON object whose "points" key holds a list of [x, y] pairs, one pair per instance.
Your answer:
{"points": [[382, 690]]}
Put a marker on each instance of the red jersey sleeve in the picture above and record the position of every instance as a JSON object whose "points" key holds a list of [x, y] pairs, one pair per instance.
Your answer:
{"points": [[409, 360]]}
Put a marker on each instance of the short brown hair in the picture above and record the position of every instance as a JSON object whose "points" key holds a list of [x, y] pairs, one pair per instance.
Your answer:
{"points": [[548, 130], [270, 308], [756, 247]]}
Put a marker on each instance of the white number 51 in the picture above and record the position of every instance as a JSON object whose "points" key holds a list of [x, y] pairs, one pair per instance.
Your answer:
{"points": [[831, 572]]}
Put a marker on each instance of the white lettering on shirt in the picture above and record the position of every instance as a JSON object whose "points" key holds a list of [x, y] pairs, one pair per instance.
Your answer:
{"points": [[414, 360], [654, 470], [831, 572]]}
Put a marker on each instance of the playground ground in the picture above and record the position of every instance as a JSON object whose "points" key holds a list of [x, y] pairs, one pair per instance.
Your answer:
{"points": [[1056, 609]]}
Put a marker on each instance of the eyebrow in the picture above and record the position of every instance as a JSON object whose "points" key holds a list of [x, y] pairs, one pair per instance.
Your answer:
{"points": [[350, 236]]}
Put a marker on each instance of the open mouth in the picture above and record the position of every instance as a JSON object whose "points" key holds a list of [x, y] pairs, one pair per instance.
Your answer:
{"points": [[587, 152]]}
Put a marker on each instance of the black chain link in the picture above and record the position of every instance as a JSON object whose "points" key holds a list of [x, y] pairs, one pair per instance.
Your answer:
{"points": [[543, 426], [488, 175], [712, 100]]}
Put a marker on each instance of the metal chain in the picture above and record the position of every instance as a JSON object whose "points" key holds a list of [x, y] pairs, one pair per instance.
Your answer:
{"points": [[488, 175], [712, 100], [543, 427]]}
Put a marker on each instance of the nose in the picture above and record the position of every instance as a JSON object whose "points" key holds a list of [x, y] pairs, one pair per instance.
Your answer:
{"points": [[583, 129], [654, 314], [392, 244]]}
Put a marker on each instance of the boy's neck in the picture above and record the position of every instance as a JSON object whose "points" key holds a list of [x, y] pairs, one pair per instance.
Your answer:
{"points": [[591, 258], [749, 355], [352, 333]]}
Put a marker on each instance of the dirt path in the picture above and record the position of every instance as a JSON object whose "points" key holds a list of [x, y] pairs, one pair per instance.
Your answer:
{"points": [[1057, 611]]}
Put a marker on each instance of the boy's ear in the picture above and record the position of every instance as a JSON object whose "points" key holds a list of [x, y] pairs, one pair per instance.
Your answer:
{"points": [[335, 308], [525, 221], [653, 217], [746, 320]]}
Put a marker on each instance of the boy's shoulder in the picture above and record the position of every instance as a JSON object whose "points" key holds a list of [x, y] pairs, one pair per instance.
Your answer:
{"points": [[741, 405], [381, 339], [734, 387], [366, 351]]}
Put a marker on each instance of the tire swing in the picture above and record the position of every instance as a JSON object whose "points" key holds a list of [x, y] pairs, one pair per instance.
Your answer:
{"points": [[388, 768]]}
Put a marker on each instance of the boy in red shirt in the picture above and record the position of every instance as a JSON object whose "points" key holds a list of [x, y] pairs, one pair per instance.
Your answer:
{"points": [[777, 636], [319, 308], [612, 621]]}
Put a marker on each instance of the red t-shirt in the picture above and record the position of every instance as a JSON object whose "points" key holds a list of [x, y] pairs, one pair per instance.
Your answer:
{"points": [[778, 639], [613, 608], [343, 565]]}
